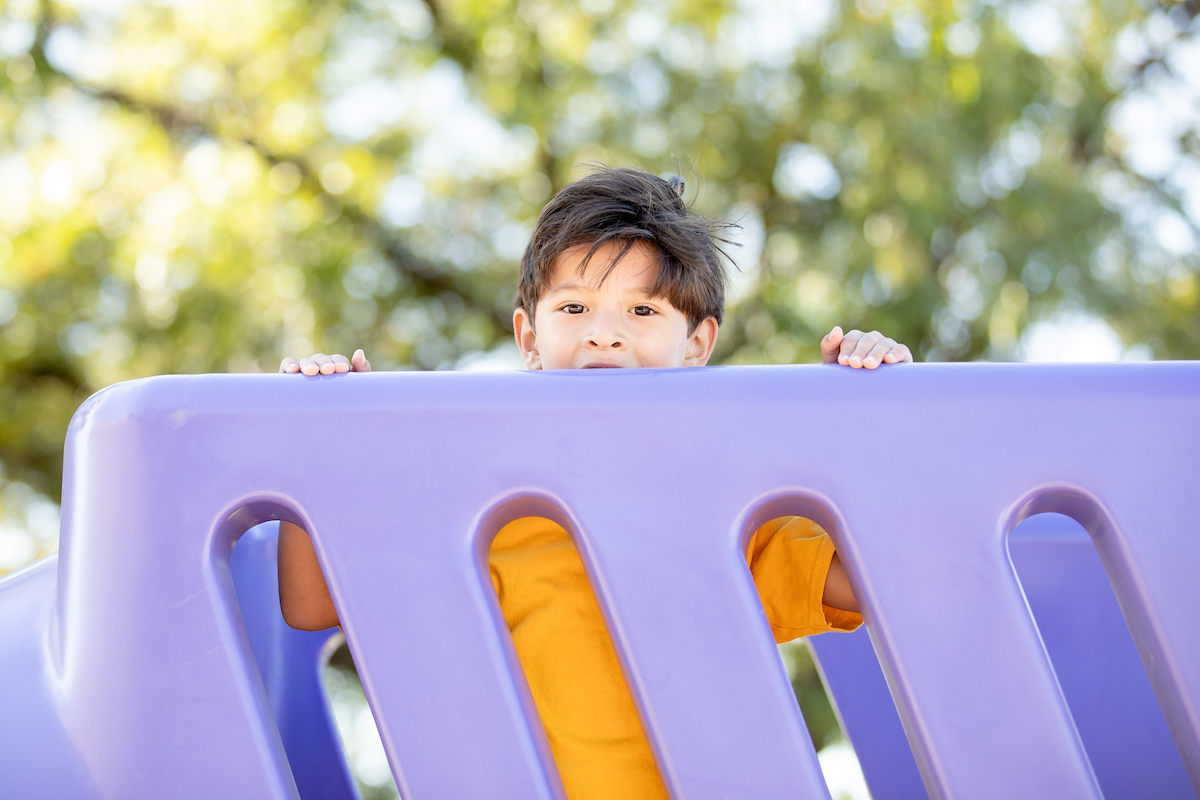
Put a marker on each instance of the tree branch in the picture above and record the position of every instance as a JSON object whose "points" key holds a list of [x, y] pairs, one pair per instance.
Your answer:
{"points": [[453, 43], [426, 278]]}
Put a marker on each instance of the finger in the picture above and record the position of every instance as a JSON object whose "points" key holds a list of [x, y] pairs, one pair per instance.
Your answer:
{"points": [[874, 358], [289, 366], [900, 354], [830, 345], [340, 363], [848, 344], [359, 362], [865, 344], [325, 363], [309, 366]]}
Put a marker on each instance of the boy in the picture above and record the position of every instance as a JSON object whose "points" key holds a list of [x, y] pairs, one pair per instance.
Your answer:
{"points": [[618, 273]]}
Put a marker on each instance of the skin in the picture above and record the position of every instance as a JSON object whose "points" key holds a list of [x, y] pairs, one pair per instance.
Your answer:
{"points": [[581, 323]]}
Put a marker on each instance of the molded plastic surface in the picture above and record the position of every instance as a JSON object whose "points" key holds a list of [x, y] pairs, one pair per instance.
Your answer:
{"points": [[141, 663], [1094, 658]]}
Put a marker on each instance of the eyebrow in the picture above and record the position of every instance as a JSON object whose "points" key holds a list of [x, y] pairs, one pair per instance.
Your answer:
{"points": [[570, 287], [577, 286]]}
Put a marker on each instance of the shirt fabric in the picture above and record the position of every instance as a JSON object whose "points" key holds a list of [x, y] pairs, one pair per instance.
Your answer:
{"points": [[571, 666]]}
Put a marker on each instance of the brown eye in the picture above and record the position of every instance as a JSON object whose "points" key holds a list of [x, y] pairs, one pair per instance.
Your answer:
{"points": [[643, 311], [573, 308]]}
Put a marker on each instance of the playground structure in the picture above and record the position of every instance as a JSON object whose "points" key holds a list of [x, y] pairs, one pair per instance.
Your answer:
{"points": [[132, 670]]}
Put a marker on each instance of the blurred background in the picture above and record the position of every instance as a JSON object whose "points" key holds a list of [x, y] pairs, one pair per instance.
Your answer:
{"points": [[207, 186]]}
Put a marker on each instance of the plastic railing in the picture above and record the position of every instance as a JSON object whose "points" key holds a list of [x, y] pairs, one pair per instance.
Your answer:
{"points": [[128, 671]]}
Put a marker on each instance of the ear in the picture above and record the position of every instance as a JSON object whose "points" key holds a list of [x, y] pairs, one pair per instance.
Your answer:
{"points": [[526, 339], [700, 344]]}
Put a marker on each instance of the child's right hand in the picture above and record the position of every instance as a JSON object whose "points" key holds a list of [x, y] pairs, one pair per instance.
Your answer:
{"points": [[326, 365]]}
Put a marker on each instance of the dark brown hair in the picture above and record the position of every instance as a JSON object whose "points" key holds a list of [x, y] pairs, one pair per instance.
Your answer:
{"points": [[630, 206]]}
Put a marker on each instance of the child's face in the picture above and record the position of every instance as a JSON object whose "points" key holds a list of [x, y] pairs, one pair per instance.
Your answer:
{"points": [[582, 325]]}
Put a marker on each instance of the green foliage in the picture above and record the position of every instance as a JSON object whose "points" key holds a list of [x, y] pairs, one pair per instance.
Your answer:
{"points": [[815, 705], [209, 186]]}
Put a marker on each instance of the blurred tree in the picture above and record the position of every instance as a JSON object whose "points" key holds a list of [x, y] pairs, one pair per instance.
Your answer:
{"points": [[190, 187]]}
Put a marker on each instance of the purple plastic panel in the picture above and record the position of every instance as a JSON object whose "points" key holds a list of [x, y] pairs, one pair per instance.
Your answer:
{"points": [[918, 472], [37, 758]]}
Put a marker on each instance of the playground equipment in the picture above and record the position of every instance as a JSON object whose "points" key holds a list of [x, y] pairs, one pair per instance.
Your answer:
{"points": [[129, 672]]}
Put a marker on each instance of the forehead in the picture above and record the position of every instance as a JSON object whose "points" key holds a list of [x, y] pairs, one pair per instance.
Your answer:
{"points": [[638, 268]]}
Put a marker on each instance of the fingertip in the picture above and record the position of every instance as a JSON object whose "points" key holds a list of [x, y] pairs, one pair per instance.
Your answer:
{"points": [[327, 369], [310, 370]]}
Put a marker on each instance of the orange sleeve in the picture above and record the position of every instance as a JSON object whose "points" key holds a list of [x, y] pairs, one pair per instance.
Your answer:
{"points": [[789, 558]]}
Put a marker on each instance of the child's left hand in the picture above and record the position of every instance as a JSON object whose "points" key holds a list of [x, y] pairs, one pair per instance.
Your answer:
{"points": [[857, 349]]}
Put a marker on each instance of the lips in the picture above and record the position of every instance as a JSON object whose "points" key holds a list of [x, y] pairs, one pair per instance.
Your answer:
{"points": [[601, 365]]}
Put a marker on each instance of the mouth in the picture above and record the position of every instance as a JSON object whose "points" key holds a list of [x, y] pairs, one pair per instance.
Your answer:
{"points": [[601, 365]]}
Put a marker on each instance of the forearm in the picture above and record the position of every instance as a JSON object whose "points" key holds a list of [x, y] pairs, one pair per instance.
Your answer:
{"points": [[838, 591], [303, 595]]}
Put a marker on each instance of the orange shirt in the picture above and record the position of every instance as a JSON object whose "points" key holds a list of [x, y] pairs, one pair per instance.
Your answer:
{"points": [[569, 661]]}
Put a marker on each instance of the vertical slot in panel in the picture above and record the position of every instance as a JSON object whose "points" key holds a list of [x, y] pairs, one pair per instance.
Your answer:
{"points": [[291, 664], [841, 695], [839, 762], [569, 663], [858, 691], [1096, 662], [359, 735]]}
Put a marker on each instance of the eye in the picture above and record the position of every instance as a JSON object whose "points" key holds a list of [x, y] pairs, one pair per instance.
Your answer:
{"points": [[573, 308], [643, 311]]}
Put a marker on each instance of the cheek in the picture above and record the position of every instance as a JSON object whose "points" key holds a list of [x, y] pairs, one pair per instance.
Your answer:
{"points": [[665, 346], [555, 344]]}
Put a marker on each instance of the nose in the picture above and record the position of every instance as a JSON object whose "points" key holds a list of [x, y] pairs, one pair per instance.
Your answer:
{"points": [[606, 332]]}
